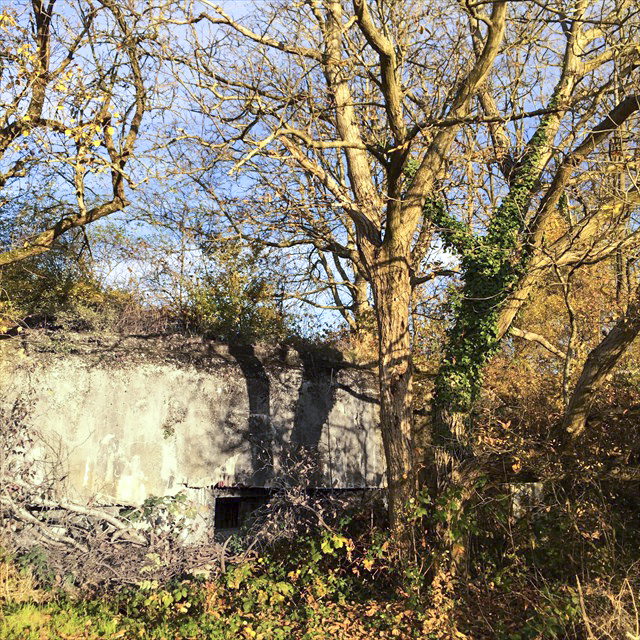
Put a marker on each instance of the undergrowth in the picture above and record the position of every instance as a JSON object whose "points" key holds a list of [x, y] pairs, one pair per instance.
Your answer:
{"points": [[319, 587], [557, 561], [550, 572]]}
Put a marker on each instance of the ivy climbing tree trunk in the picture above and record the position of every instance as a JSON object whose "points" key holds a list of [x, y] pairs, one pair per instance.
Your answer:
{"points": [[491, 266], [497, 267], [497, 275], [352, 137]]}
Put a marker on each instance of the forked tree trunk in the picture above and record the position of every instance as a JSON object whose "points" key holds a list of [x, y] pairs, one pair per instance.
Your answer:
{"points": [[391, 285], [490, 273]]}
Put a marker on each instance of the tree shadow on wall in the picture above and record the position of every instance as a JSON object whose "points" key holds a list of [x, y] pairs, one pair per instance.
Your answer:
{"points": [[316, 398], [260, 433]]}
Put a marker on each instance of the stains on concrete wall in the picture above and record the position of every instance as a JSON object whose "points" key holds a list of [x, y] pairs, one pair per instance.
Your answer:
{"points": [[135, 417]]}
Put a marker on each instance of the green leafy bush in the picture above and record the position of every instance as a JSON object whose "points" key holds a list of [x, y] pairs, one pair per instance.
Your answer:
{"points": [[237, 307]]}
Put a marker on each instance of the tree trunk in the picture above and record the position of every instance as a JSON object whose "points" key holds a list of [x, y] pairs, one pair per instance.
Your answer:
{"points": [[599, 364], [472, 340], [391, 285], [364, 331]]}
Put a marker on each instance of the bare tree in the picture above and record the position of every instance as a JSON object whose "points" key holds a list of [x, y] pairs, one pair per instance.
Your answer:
{"points": [[76, 83], [347, 100], [402, 122]]}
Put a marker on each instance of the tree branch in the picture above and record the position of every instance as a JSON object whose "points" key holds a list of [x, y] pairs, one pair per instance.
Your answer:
{"points": [[536, 337], [599, 364], [549, 203], [225, 19]]}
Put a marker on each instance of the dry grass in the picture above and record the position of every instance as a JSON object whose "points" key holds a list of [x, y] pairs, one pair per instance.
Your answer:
{"points": [[18, 585], [611, 613]]}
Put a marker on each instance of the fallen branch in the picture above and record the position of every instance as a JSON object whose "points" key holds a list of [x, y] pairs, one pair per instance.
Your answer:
{"points": [[25, 516]]}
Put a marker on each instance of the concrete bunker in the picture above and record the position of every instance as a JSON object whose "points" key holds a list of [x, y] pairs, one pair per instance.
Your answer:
{"points": [[140, 416]]}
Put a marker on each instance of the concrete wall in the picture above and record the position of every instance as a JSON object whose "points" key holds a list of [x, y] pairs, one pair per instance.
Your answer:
{"points": [[134, 417]]}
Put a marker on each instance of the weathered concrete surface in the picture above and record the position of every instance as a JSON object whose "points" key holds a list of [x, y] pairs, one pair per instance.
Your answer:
{"points": [[134, 417]]}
